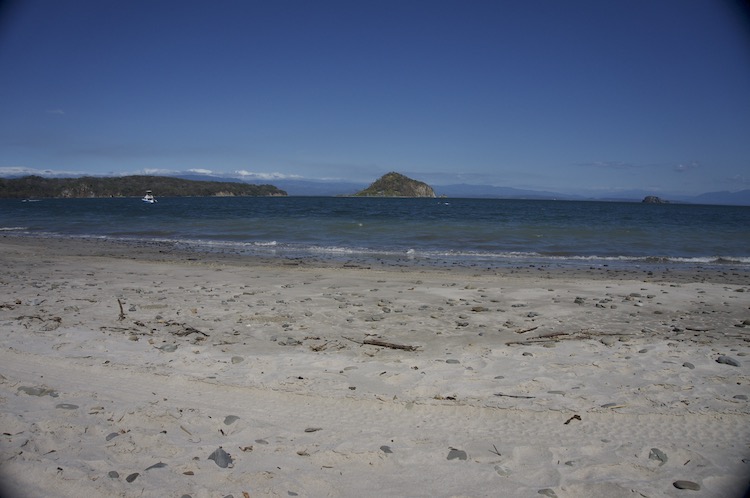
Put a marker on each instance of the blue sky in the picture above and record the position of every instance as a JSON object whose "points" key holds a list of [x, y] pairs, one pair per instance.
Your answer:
{"points": [[575, 97]]}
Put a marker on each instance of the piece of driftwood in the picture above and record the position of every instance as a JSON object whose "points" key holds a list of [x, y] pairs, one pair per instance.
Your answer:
{"points": [[514, 396], [384, 344], [523, 331], [557, 336], [189, 330], [122, 312], [574, 417]]}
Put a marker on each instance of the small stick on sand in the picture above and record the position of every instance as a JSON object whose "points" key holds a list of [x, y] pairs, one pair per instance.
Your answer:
{"points": [[523, 331], [514, 396], [384, 344], [122, 313]]}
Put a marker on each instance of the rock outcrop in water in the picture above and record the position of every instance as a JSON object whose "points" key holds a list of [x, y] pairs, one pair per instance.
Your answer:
{"points": [[396, 185]]}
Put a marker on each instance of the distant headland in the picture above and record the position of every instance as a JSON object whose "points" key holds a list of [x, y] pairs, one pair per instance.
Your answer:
{"points": [[127, 186]]}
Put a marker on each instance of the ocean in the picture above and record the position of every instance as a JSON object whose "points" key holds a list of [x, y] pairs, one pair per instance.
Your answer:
{"points": [[445, 231]]}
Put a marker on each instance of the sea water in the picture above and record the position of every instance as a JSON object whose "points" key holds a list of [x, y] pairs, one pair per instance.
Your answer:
{"points": [[428, 231]]}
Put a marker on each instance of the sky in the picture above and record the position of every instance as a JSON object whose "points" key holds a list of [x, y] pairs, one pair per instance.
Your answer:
{"points": [[580, 96]]}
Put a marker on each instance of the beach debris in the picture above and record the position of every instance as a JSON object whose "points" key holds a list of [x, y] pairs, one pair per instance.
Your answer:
{"points": [[184, 330], [113, 474], [557, 336], [574, 417], [547, 492], [514, 396], [495, 450], [132, 477], [657, 454], [727, 360], [111, 436], [313, 429], [221, 458], [692, 486], [455, 454], [523, 331], [48, 325], [121, 317], [384, 344], [689, 365], [168, 348], [159, 465], [38, 391], [386, 449]]}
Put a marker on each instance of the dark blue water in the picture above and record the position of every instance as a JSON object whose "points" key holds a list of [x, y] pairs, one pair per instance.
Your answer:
{"points": [[446, 230]]}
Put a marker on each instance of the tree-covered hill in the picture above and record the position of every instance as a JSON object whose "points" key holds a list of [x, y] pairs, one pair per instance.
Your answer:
{"points": [[396, 185], [126, 186]]}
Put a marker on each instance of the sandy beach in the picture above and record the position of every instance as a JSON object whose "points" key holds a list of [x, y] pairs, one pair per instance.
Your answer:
{"points": [[140, 370]]}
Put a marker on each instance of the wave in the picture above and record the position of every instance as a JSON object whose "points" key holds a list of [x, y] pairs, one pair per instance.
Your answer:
{"points": [[427, 256]]}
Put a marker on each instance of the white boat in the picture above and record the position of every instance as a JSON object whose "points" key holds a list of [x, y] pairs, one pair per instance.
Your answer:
{"points": [[149, 197]]}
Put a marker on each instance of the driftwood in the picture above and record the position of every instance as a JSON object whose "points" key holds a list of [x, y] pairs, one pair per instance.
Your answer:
{"points": [[557, 336], [514, 396], [384, 344], [186, 330], [523, 331], [574, 417], [122, 313]]}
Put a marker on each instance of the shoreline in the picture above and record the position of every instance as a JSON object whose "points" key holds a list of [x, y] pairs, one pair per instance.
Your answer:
{"points": [[169, 251], [316, 378]]}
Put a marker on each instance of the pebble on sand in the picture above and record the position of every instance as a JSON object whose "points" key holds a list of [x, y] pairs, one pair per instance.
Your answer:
{"points": [[657, 454], [66, 406], [455, 454], [221, 457], [727, 360], [693, 486]]}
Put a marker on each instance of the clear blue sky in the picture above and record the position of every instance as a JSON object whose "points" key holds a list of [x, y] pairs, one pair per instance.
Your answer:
{"points": [[571, 96]]}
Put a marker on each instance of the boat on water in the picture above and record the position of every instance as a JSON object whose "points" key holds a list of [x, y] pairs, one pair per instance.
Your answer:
{"points": [[149, 197]]}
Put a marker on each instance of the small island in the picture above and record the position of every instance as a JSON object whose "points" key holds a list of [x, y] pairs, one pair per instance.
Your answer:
{"points": [[652, 199], [396, 185]]}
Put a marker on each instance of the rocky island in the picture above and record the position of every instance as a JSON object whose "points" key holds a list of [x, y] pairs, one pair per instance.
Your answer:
{"points": [[652, 199], [396, 185]]}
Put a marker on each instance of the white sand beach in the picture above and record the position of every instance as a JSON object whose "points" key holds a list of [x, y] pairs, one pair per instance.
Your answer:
{"points": [[138, 370]]}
